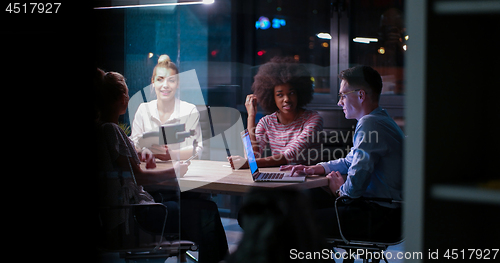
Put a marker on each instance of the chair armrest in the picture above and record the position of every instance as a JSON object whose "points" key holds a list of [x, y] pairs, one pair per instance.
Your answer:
{"points": [[347, 200]]}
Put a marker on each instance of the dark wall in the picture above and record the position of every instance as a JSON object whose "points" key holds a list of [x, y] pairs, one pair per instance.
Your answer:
{"points": [[461, 149]]}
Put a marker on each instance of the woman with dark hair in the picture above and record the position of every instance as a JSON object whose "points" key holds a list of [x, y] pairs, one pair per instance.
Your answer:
{"points": [[121, 178], [282, 87]]}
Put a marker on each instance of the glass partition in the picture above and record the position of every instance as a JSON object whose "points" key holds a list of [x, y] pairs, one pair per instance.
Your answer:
{"points": [[191, 96], [132, 41], [218, 48], [226, 42], [295, 28], [378, 38]]}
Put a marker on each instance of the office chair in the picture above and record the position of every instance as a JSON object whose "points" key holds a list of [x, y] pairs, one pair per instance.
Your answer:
{"points": [[132, 241], [372, 244], [206, 129]]}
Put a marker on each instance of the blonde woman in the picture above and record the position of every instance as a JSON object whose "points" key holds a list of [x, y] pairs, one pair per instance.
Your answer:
{"points": [[167, 109]]}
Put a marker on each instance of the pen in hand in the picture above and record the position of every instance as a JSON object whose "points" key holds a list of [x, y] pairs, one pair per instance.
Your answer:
{"points": [[191, 158]]}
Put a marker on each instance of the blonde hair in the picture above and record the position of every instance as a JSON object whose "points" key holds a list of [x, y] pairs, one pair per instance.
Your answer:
{"points": [[164, 61]]}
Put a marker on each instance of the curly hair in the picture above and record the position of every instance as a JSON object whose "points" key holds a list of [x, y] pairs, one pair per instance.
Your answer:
{"points": [[279, 71]]}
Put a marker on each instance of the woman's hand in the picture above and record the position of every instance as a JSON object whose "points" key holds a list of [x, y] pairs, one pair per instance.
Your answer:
{"points": [[238, 162], [161, 152], [251, 105], [181, 168], [148, 157]]}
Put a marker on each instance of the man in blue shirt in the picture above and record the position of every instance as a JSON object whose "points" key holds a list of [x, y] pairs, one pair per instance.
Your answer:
{"points": [[374, 163]]}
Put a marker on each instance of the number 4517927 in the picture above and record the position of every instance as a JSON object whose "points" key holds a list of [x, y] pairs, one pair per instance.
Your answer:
{"points": [[31, 8]]}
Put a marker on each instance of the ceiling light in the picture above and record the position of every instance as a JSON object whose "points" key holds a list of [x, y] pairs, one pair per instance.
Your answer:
{"points": [[324, 35], [117, 4], [365, 40]]}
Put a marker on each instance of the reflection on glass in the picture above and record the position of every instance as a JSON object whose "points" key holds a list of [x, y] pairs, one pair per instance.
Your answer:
{"points": [[378, 39]]}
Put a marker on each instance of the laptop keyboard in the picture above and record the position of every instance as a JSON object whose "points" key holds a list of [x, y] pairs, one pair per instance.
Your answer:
{"points": [[267, 176]]}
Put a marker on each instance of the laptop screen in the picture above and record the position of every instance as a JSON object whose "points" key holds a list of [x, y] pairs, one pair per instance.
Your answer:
{"points": [[249, 150]]}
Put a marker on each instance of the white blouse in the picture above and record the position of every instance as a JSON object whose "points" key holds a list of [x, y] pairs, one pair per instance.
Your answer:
{"points": [[147, 119]]}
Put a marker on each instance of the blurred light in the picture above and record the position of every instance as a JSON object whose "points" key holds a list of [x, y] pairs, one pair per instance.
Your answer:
{"points": [[263, 23], [325, 44], [167, 3], [261, 52], [277, 23], [214, 52], [278, 8], [381, 50], [407, 37], [324, 35], [296, 57], [150, 55], [364, 40], [404, 47]]}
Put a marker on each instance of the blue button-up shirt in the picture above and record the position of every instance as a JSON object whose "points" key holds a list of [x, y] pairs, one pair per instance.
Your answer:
{"points": [[374, 163]]}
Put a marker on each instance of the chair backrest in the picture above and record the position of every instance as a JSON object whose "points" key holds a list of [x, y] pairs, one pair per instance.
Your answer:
{"points": [[128, 235], [133, 241], [372, 246], [336, 135], [388, 234], [206, 130]]}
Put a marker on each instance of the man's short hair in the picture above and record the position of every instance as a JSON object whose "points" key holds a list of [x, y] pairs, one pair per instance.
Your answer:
{"points": [[365, 77]]}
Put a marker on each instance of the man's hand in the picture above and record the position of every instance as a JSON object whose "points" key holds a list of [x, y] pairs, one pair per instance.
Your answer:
{"points": [[335, 181], [302, 170]]}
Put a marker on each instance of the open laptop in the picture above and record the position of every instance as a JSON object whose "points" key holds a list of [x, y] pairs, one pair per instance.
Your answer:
{"points": [[264, 177]]}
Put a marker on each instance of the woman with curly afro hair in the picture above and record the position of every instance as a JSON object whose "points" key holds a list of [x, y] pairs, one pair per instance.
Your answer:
{"points": [[282, 87]]}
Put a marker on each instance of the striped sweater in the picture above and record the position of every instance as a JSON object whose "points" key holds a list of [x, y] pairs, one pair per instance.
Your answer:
{"points": [[294, 140]]}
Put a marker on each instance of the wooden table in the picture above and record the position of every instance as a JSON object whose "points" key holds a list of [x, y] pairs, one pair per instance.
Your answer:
{"points": [[218, 178]]}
